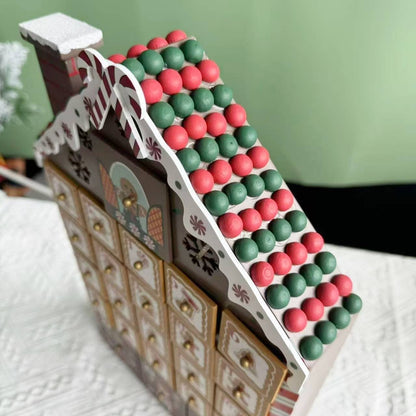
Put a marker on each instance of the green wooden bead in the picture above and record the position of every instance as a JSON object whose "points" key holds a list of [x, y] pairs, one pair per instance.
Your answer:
{"points": [[277, 296], [173, 57], [326, 261], [272, 179], [254, 184], [295, 283], [246, 136], [152, 61], [182, 104], [264, 239], [236, 192], [223, 95], [280, 228], [189, 158], [216, 202], [162, 114], [203, 99], [192, 51], [207, 148], [135, 67], [340, 317], [227, 144], [352, 303], [326, 331], [312, 274], [311, 347], [297, 220], [245, 249]]}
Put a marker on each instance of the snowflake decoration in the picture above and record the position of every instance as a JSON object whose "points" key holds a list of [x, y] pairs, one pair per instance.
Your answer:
{"points": [[197, 225], [85, 139], [120, 218], [134, 230], [88, 105], [153, 148], [204, 259], [67, 130], [78, 164], [241, 293], [149, 242]]}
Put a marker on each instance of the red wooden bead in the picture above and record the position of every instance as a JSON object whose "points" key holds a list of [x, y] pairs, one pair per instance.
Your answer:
{"points": [[295, 320], [343, 284], [157, 43], [170, 80], [262, 274], [259, 155], [135, 51], [297, 253], [221, 171], [152, 90], [202, 181], [241, 165], [230, 225], [251, 219], [267, 208], [176, 36], [216, 124], [313, 242], [191, 77], [209, 70], [235, 115], [327, 293], [280, 262], [313, 308], [283, 198], [176, 137], [117, 58], [195, 126]]}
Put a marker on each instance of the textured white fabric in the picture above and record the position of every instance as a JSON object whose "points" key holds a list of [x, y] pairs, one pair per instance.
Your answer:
{"points": [[53, 362]]}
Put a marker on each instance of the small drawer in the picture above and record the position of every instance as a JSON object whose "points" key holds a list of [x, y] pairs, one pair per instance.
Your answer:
{"points": [[191, 373], [77, 235], [192, 347], [64, 191], [161, 364], [113, 272], [146, 303], [250, 356], [145, 265], [196, 404], [235, 385], [191, 304], [127, 331], [120, 303], [101, 307], [152, 338], [90, 273], [100, 225], [224, 405]]}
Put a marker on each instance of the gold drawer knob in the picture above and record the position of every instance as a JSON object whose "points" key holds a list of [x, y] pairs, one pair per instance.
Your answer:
{"points": [[146, 305], [118, 303], [246, 361], [124, 332], [138, 265], [191, 401], [191, 377], [238, 392], [97, 226], [61, 197], [95, 302], [128, 202], [151, 338], [86, 274], [75, 238], [108, 270], [187, 345], [155, 365], [161, 397], [184, 307]]}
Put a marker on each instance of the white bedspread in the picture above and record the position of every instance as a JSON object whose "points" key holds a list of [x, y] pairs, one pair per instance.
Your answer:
{"points": [[53, 362]]}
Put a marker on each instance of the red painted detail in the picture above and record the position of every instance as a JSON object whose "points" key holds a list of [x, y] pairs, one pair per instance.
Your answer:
{"points": [[262, 273], [241, 165], [259, 155], [216, 124], [288, 394], [171, 81], [176, 36], [136, 107], [202, 181], [284, 199], [83, 73], [297, 252], [84, 56], [107, 84], [251, 219], [313, 308], [157, 43], [235, 115], [267, 208], [101, 98], [118, 109], [98, 66], [136, 149], [196, 126], [280, 262], [74, 69], [125, 81], [117, 58], [230, 225], [111, 70], [191, 77], [127, 130], [135, 51], [343, 284], [313, 242], [221, 171], [209, 70], [327, 293], [152, 90], [98, 111], [176, 137], [295, 320]]}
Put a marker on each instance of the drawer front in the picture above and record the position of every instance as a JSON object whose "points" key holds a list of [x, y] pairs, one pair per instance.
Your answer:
{"points": [[250, 356], [235, 385], [193, 348], [89, 273], [191, 304], [225, 405], [101, 307], [120, 303], [100, 225], [64, 191], [160, 364], [112, 270], [152, 338], [127, 331], [146, 266], [197, 405], [190, 372]]}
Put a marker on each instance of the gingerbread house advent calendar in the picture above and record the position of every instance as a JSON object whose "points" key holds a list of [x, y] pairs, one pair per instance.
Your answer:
{"points": [[206, 276]]}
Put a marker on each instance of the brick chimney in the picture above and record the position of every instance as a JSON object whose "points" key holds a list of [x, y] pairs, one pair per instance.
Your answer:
{"points": [[58, 39]]}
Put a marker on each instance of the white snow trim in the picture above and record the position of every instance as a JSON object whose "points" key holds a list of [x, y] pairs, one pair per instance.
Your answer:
{"points": [[61, 32]]}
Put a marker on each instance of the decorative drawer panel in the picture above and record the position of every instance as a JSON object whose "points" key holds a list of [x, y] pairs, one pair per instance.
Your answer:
{"points": [[114, 273], [78, 236], [152, 338], [161, 364], [145, 265], [197, 405], [236, 386], [89, 273], [191, 304], [120, 303], [192, 347], [249, 355], [224, 405], [191, 373], [127, 331], [64, 191], [101, 307], [100, 225]]}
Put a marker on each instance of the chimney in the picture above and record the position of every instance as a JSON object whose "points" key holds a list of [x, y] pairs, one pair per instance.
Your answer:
{"points": [[58, 39]]}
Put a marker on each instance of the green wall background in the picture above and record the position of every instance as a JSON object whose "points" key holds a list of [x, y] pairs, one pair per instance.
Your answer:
{"points": [[330, 85]]}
